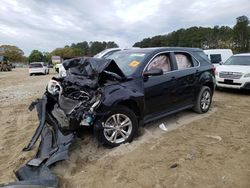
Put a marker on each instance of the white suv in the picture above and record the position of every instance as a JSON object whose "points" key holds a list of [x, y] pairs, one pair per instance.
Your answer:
{"points": [[38, 68], [234, 73]]}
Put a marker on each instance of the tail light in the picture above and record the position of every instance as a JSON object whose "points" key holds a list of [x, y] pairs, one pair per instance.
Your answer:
{"points": [[213, 69]]}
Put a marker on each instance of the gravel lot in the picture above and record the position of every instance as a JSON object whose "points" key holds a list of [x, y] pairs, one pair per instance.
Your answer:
{"points": [[211, 150]]}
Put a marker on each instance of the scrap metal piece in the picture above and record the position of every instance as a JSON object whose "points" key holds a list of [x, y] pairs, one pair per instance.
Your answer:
{"points": [[53, 147], [41, 110], [34, 177]]}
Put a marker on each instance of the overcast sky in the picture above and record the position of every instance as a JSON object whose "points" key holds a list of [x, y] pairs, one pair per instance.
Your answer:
{"points": [[47, 24]]}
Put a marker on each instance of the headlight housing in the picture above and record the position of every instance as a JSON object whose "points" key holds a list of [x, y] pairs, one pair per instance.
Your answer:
{"points": [[63, 73], [54, 87], [247, 75]]}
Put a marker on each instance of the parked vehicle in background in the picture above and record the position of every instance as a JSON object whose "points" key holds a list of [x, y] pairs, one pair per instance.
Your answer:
{"points": [[4, 64], [62, 71], [56, 61], [110, 51], [217, 56], [38, 68], [102, 55], [57, 67], [234, 73], [107, 52]]}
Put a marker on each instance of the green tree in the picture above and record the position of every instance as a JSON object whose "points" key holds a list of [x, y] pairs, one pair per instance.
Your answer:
{"points": [[241, 34], [200, 37], [36, 56], [47, 57], [13, 53], [65, 52], [82, 48], [96, 47], [111, 44]]}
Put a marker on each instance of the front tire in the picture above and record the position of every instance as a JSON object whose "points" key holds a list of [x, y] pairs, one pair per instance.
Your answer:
{"points": [[118, 127], [203, 101]]}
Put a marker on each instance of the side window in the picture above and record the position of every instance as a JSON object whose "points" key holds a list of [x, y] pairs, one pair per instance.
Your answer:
{"points": [[161, 61], [184, 60], [195, 62], [215, 58]]}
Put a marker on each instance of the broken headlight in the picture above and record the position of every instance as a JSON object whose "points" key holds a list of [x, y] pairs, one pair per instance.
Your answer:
{"points": [[54, 87]]}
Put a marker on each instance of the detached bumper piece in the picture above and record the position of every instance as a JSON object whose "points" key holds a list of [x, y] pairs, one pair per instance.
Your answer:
{"points": [[53, 147]]}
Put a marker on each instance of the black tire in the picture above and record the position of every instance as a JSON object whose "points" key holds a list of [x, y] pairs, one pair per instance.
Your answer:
{"points": [[122, 112], [31, 74], [202, 98]]}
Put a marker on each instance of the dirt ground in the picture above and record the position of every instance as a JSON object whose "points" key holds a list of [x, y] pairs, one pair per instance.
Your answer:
{"points": [[211, 150]]}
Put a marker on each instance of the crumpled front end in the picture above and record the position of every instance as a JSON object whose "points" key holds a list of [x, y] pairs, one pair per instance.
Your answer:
{"points": [[67, 104]]}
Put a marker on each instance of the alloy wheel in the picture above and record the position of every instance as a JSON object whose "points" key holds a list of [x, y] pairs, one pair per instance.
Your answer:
{"points": [[205, 100], [117, 128]]}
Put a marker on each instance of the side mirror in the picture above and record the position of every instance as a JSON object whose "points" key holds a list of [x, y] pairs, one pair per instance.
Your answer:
{"points": [[153, 72]]}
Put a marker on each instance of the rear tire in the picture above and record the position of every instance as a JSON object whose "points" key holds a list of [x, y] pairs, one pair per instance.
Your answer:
{"points": [[118, 127], [203, 101]]}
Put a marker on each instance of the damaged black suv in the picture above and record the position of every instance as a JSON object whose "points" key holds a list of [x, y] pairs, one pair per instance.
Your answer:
{"points": [[131, 88], [114, 97]]}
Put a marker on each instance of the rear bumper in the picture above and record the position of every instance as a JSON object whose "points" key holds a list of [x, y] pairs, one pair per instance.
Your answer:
{"points": [[243, 83], [37, 70]]}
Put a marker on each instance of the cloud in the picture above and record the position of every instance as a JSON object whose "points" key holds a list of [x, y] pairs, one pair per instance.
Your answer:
{"points": [[45, 25]]}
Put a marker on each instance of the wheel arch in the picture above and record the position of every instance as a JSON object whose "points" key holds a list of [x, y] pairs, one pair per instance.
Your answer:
{"points": [[210, 85], [207, 79], [132, 105]]}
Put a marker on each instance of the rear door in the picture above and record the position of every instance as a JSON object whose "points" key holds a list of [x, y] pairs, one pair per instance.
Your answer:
{"points": [[186, 78]]}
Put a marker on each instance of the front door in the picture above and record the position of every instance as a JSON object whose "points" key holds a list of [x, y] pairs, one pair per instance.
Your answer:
{"points": [[159, 90]]}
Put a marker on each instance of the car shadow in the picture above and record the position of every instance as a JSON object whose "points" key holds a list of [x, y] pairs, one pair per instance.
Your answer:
{"points": [[234, 91]]}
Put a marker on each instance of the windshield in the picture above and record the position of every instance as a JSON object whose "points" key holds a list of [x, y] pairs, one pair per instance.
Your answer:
{"points": [[238, 60], [128, 61]]}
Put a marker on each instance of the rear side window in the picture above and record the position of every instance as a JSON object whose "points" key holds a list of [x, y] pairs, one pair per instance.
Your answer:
{"points": [[215, 58], [36, 65], [184, 60]]}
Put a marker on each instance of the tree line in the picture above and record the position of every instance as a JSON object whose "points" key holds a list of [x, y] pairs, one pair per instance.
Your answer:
{"points": [[84, 48], [236, 38]]}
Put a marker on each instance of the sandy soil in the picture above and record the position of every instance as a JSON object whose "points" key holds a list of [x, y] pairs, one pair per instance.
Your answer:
{"points": [[211, 150]]}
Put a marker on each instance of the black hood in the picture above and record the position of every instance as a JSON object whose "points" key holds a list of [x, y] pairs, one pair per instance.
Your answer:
{"points": [[88, 71]]}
